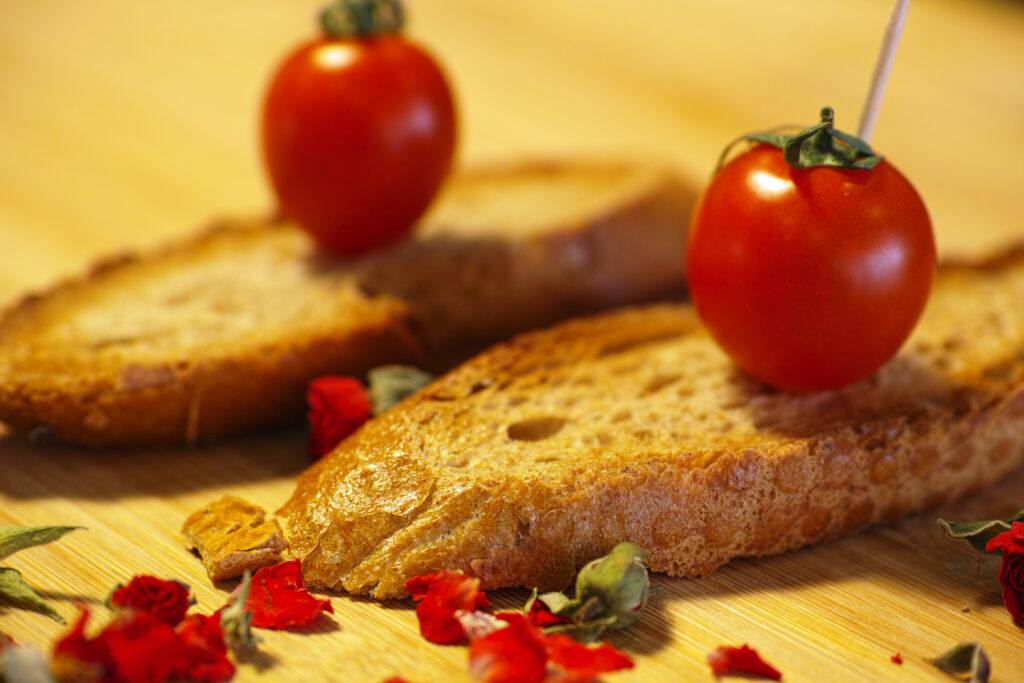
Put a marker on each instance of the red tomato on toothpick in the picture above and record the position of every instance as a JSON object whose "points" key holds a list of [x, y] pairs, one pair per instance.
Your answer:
{"points": [[358, 129], [810, 259]]}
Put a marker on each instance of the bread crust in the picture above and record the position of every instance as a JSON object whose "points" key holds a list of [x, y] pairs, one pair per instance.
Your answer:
{"points": [[203, 350], [546, 451]]}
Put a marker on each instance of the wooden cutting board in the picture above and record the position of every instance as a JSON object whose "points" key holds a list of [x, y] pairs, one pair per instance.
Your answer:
{"points": [[123, 124]]}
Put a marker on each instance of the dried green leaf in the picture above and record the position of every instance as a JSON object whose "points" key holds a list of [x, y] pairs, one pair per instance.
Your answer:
{"points": [[15, 591], [966, 661], [978, 534], [389, 384], [13, 538]]}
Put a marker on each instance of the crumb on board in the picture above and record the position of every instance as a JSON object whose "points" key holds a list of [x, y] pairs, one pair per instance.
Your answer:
{"points": [[233, 535]]}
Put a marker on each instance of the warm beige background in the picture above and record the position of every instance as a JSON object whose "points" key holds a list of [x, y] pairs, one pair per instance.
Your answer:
{"points": [[123, 123]]}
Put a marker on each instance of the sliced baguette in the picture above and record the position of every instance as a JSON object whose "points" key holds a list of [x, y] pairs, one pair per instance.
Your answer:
{"points": [[546, 451], [221, 333]]}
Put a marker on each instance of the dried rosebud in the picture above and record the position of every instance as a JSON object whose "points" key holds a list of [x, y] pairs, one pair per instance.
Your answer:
{"points": [[619, 581], [1011, 571], [166, 600]]}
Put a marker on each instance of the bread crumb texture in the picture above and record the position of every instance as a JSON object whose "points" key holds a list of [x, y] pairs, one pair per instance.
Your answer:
{"points": [[546, 451], [232, 536]]}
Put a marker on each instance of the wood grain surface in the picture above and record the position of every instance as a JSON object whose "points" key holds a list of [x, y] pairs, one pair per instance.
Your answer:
{"points": [[124, 123]]}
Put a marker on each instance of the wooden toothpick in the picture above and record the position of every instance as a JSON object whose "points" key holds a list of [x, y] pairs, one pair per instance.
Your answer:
{"points": [[893, 31]]}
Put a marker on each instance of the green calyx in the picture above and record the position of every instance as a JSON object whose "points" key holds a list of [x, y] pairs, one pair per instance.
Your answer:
{"points": [[818, 145], [611, 593], [362, 18]]}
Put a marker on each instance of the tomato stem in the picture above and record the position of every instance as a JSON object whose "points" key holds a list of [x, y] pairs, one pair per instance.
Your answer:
{"points": [[819, 135], [362, 18]]}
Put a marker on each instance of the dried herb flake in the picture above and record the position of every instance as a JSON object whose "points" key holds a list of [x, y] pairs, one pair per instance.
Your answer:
{"points": [[966, 661]]}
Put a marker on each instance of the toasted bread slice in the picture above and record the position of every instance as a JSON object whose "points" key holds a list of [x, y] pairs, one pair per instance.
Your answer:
{"points": [[222, 332], [546, 451]]}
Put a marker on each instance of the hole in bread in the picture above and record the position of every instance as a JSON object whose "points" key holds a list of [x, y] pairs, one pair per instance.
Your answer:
{"points": [[480, 386], [952, 343], [725, 426], [622, 416], [660, 382], [523, 529], [1000, 372], [628, 344], [535, 429], [623, 369]]}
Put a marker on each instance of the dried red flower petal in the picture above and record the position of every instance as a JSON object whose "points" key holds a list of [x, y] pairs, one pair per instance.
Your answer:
{"points": [[204, 652], [575, 662], [137, 647], [78, 658], [1011, 571], [514, 654], [440, 596], [896, 658], [140, 648], [419, 585], [278, 600], [727, 660], [166, 600], [337, 407], [540, 615]]}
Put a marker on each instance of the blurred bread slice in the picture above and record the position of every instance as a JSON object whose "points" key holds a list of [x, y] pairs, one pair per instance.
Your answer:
{"points": [[220, 333], [546, 451]]}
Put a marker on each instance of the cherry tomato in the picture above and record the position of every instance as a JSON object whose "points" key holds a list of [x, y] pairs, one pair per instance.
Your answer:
{"points": [[358, 136], [809, 278]]}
